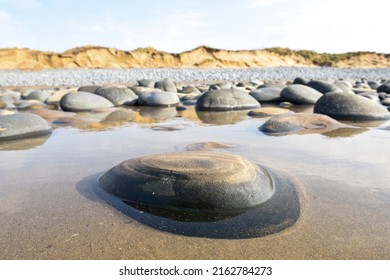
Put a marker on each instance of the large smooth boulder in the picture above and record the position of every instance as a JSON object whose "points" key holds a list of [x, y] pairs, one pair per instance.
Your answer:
{"points": [[166, 85], [345, 106], [158, 98], [118, 96], [22, 125], [196, 181], [300, 94], [225, 100], [323, 87], [83, 101], [266, 94]]}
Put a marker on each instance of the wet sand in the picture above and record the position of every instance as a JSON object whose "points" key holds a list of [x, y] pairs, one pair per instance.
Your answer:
{"points": [[49, 209]]}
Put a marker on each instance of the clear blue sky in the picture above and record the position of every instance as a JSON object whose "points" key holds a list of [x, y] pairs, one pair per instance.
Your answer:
{"points": [[179, 25]]}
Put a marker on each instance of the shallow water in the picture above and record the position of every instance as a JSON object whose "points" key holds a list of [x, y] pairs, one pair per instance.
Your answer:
{"points": [[49, 209]]}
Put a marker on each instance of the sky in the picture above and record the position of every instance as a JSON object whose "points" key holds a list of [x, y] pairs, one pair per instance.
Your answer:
{"points": [[333, 26]]}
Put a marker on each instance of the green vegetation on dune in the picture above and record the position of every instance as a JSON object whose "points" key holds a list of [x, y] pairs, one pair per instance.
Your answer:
{"points": [[320, 59]]}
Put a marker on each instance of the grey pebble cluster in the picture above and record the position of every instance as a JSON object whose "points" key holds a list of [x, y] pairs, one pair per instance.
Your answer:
{"points": [[73, 77]]}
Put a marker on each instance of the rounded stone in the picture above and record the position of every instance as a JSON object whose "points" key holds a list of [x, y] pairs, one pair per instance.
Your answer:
{"points": [[158, 98], [225, 100], [88, 88], [197, 181], [373, 84], [7, 101], [384, 88], [203, 194], [344, 87], [22, 125], [266, 94], [344, 106], [300, 123], [146, 83], [286, 104], [190, 89], [118, 96], [300, 94], [37, 95], [323, 87], [166, 85], [56, 96], [83, 101], [300, 81]]}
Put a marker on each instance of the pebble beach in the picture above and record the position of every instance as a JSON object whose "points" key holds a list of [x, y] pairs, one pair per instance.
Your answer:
{"points": [[279, 163]]}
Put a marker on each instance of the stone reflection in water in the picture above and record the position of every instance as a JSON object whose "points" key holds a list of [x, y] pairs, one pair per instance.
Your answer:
{"points": [[154, 114], [221, 118], [203, 146], [121, 116], [75, 122], [345, 132], [23, 144], [202, 193]]}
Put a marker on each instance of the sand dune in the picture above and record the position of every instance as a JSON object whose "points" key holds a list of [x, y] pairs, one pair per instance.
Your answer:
{"points": [[201, 57]]}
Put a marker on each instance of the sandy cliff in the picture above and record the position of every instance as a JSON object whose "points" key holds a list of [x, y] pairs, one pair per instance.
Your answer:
{"points": [[203, 57]]}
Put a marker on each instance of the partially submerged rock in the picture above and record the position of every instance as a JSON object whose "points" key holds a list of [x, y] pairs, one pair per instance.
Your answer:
{"points": [[202, 193], [300, 123], [117, 95], [83, 101], [225, 100], [300, 94], [266, 94], [23, 125], [344, 106], [268, 111]]}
